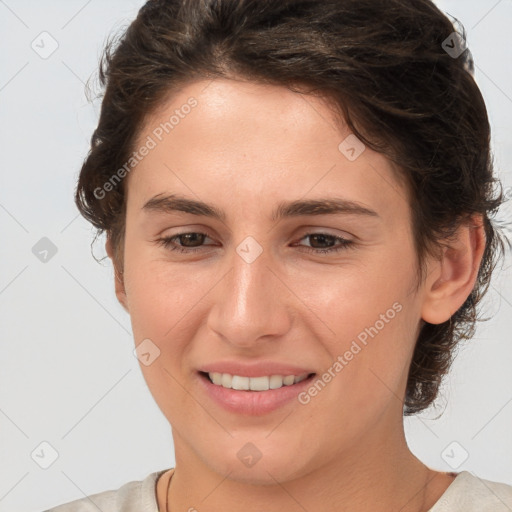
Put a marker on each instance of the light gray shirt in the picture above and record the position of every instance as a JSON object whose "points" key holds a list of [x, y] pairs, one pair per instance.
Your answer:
{"points": [[467, 493]]}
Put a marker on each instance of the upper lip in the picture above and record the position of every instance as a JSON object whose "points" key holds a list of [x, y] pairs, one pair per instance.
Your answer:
{"points": [[257, 369]]}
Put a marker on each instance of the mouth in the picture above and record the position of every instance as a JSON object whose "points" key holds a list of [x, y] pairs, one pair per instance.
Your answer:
{"points": [[264, 383], [253, 396]]}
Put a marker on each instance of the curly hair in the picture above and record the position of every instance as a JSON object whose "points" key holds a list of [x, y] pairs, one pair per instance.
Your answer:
{"points": [[388, 72]]}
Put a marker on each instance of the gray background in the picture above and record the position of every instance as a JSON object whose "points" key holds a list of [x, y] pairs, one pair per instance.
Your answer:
{"points": [[68, 375]]}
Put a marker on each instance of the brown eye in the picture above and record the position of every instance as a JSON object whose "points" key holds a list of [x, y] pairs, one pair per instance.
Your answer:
{"points": [[321, 239], [324, 238], [191, 239], [188, 242]]}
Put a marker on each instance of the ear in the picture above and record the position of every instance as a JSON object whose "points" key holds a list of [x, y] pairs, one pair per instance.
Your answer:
{"points": [[452, 278], [119, 278]]}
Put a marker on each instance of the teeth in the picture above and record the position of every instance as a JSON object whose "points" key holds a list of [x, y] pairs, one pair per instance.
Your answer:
{"points": [[254, 383]]}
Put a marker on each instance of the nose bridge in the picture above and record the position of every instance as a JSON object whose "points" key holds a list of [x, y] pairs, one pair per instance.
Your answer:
{"points": [[249, 303]]}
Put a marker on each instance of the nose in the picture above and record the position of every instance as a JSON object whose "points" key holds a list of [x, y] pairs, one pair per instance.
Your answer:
{"points": [[251, 304]]}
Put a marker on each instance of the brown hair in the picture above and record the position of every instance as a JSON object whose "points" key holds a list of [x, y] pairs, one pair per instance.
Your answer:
{"points": [[385, 67]]}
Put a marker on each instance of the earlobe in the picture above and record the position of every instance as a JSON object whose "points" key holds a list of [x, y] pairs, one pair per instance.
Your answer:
{"points": [[453, 277], [118, 276]]}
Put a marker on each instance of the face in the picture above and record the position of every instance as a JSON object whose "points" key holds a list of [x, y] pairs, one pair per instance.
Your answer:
{"points": [[259, 285]]}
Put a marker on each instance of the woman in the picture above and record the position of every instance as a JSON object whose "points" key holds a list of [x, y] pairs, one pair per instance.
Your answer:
{"points": [[297, 199]]}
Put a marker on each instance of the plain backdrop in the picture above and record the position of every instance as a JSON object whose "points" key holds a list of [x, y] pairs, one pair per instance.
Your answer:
{"points": [[70, 386]]}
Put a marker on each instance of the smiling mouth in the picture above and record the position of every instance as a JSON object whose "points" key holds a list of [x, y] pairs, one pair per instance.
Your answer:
{"points": [[257, 384]]}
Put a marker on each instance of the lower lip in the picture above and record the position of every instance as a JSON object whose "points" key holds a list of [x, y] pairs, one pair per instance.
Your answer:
{"points": [[253, 403]]}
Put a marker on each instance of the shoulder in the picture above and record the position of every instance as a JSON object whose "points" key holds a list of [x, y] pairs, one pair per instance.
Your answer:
{"points": [[470, 493], [134, 496]]}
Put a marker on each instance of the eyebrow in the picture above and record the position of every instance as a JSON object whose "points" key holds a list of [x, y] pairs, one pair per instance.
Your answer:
{"points": [[323, 206]]}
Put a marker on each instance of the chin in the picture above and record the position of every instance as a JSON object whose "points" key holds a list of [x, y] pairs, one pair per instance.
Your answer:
{"points": [[259, 463]]}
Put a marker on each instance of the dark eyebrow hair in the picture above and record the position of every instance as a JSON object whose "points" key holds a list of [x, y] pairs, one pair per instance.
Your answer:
{"points": [[327, 206]]}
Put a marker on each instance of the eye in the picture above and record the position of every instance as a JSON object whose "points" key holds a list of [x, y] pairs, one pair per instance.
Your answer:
{"points": [[193, 242], [193, 238], [330, 240]]}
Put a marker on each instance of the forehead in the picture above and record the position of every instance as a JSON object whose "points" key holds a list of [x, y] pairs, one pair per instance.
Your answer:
{"points": [[224, 110], [257, 141]]}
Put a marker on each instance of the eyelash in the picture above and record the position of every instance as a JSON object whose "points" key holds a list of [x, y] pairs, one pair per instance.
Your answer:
{"points": [[168, 243]]}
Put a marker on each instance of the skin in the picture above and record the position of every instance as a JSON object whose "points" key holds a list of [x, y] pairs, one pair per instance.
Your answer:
{"points": [[244, 148]]}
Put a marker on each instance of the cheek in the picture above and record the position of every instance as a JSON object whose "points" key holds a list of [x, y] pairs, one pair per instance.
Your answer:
{"points": [[372, 317], [161, 294], [351, 298], [162, 311]]}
